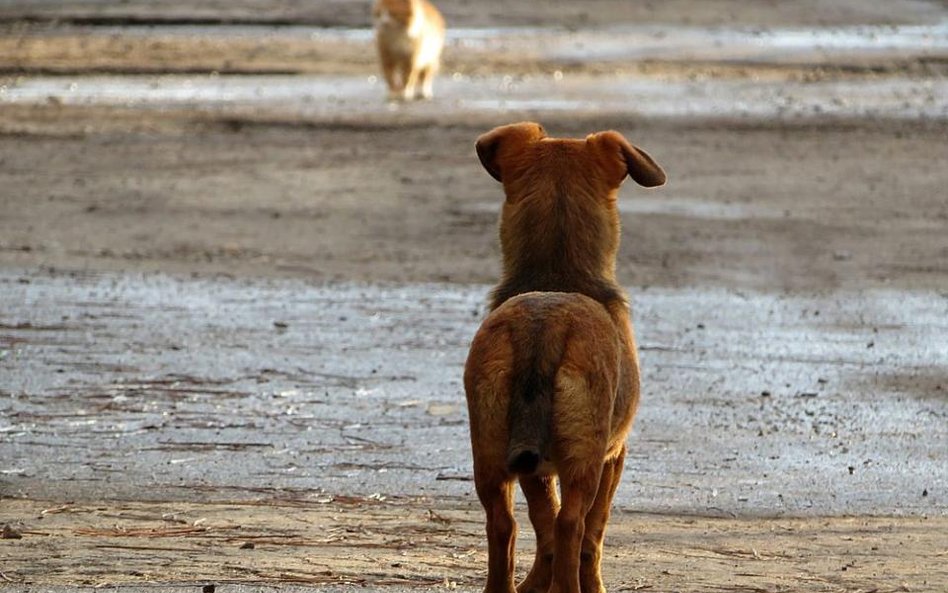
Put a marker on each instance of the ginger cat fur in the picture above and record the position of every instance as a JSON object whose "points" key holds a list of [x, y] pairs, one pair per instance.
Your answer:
{"points": [[552, 377], [410, 36]]}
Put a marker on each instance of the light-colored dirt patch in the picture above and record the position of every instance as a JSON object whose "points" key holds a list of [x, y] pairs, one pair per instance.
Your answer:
{"points": [[380, 543]]}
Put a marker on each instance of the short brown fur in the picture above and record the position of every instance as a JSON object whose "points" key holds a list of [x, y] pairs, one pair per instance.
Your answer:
{"points": [[552, 377]]}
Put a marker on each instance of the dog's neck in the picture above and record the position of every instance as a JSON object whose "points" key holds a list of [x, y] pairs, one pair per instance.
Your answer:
{"points": [[549, 256]]}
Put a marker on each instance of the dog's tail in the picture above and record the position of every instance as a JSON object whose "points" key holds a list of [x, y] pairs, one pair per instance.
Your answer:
{"points": [[530, 412]]}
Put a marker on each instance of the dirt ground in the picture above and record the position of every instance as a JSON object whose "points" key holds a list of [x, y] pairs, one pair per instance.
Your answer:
{"points": [[819, 208], [813, 207], [426, 544]]}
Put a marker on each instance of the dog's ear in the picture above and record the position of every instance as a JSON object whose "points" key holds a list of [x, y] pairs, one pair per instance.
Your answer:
{"points": [[486, 147], [638, 164], [489, 145]]}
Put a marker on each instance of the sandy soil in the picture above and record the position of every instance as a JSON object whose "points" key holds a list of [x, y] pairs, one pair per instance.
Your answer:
{"points": [[425, 543], [824, 213]]}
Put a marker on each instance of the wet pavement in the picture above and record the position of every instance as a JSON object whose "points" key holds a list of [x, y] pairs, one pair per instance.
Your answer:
{"points": [[151, 387], [328, 97]]}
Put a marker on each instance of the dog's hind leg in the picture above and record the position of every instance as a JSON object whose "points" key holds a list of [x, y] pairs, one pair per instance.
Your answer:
{"points": [[590, 576], [581, 426], [496, 494], [579, 489], [543, 504]]}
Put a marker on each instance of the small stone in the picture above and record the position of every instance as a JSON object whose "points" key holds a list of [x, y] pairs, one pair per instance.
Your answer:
{"points": [[10, 533]]}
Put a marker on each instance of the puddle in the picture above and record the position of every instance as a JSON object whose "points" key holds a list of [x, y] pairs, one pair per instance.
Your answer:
{"points": [[351, 95], [170, 90]]}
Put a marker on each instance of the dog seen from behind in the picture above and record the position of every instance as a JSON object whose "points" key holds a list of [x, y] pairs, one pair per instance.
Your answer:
{"points": [[410, 36], [552, 377]]}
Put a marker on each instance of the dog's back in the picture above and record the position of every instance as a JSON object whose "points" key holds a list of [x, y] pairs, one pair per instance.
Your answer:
{"points": [[552, 377], [535, 348]]}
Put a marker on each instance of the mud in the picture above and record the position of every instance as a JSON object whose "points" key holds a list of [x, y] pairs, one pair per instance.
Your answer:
{"points": [[237, 288]]}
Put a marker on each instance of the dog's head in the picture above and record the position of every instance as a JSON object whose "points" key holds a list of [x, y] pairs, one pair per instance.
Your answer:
{"points": [[560, 215], [602, 159]]}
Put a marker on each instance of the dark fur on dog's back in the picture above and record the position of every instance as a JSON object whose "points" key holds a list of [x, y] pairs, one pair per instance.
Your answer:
{"points": [[538, 353], [531, 403]]}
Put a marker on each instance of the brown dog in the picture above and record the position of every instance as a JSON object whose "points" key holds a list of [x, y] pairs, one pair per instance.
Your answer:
{"points": [[552, 378]]}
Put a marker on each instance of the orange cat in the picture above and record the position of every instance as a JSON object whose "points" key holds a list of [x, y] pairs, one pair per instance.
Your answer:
{"points": [[410, 36]]}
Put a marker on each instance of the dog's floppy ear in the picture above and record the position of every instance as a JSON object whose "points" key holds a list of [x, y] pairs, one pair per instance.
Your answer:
{"points": [[489, 145], [486, 147], [640, 166]]}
